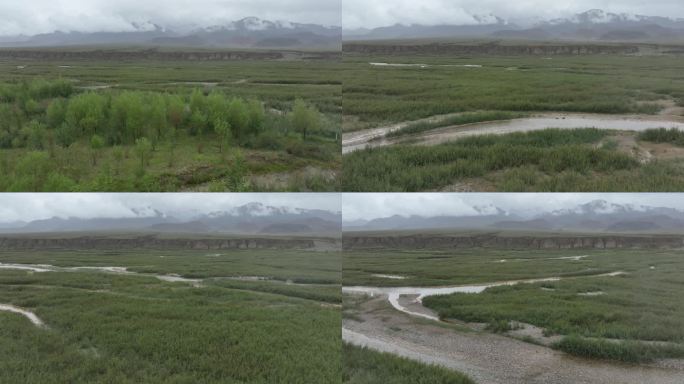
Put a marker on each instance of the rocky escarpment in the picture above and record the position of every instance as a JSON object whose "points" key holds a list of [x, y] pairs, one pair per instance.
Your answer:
{"points": [[487, 49], [153, 242], [360, 241], [153, 54]]}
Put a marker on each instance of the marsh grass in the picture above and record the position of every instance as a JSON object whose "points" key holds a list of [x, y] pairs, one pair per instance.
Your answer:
{"points": [[663, 135], [106, 328], [592, 84], [365, 366], [532, 160], [623, 351], [466, 118]]}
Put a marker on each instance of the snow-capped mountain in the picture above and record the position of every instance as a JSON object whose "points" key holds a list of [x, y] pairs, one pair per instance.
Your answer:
{"points": [[592, 25], [594, 216], [245, 33], [252, 218]]}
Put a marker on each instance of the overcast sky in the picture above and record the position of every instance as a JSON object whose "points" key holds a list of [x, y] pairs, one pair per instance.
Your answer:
{"points": [[375, 205], [377, 13], [44, 16], [34, 206]]}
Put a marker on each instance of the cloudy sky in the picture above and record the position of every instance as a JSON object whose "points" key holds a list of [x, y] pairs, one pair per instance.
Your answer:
{"points": [[44, 16], [35, 206], [377, 13], [375, 205]]}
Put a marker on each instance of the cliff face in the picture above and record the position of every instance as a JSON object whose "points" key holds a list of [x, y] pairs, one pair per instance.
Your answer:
{"points": [[512, 242], [30, 54], [151, 242], [488, 49]]}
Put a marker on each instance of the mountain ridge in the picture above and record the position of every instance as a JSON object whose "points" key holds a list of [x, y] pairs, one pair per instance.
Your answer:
{"points": [[249, 32], [251, 218], [591, 25]]}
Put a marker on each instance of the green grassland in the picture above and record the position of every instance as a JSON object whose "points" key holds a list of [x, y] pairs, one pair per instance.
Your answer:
{"points": [[553, 160], [375, 95], [104, 327], [644, 305], [365, 366], [145, 125]]}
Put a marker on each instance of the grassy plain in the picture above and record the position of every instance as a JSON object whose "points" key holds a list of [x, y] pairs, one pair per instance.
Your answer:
{"points": [[189, 150], [365, 366], [377, 95], [597, 317], [553, 160], [457, 90], [104, 327]]}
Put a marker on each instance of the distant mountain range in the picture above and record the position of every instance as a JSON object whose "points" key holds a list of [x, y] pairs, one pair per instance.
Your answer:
{"points": [[593, 25], [250, 32], [253, 218], [595, 216]]}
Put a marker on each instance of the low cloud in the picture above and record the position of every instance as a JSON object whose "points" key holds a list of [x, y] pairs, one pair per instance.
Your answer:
{"points": [[375, 205], [36, 206], [377, 13], [44, 16]]}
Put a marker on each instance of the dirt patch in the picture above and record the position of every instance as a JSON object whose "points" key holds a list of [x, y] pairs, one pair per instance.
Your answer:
{"points": [[488, 358], [532, 332], [288, 180], [376, 137], [26, 313]]}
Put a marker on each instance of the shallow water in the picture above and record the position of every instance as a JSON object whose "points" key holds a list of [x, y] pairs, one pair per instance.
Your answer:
{"points": [[375, 137], [394, 293], [28, 314]]}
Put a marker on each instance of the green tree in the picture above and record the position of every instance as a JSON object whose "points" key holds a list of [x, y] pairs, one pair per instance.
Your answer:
{"points": [[96, 143], [217, 107], [197, 101], [304, 119], [256, 116], [222, 129], [175, 111], [238, 117], [157, 124], [86, 113], [143, 148], [36, 133], [31, 172], [56, 113]]}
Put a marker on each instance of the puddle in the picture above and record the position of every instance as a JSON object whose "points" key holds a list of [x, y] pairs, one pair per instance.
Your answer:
{"points": [[354, 141], [573, 258], [202, 83], [398, 65], [179, 279], [393, 277], [425, 65], [28, 314], [95, 87], [597, 293], [394, 293], [112, 270]]}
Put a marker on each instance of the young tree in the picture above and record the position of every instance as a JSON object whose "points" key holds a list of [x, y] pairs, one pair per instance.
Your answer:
{"points": [[222, 129], [96, 143], [304, 119], [238, 117], [56, 112], [175, 111], [256, 116], [118, 156], [35, 135], [217, 107], [86, 113], [197, 101], [143, 149], [157, 124]]}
